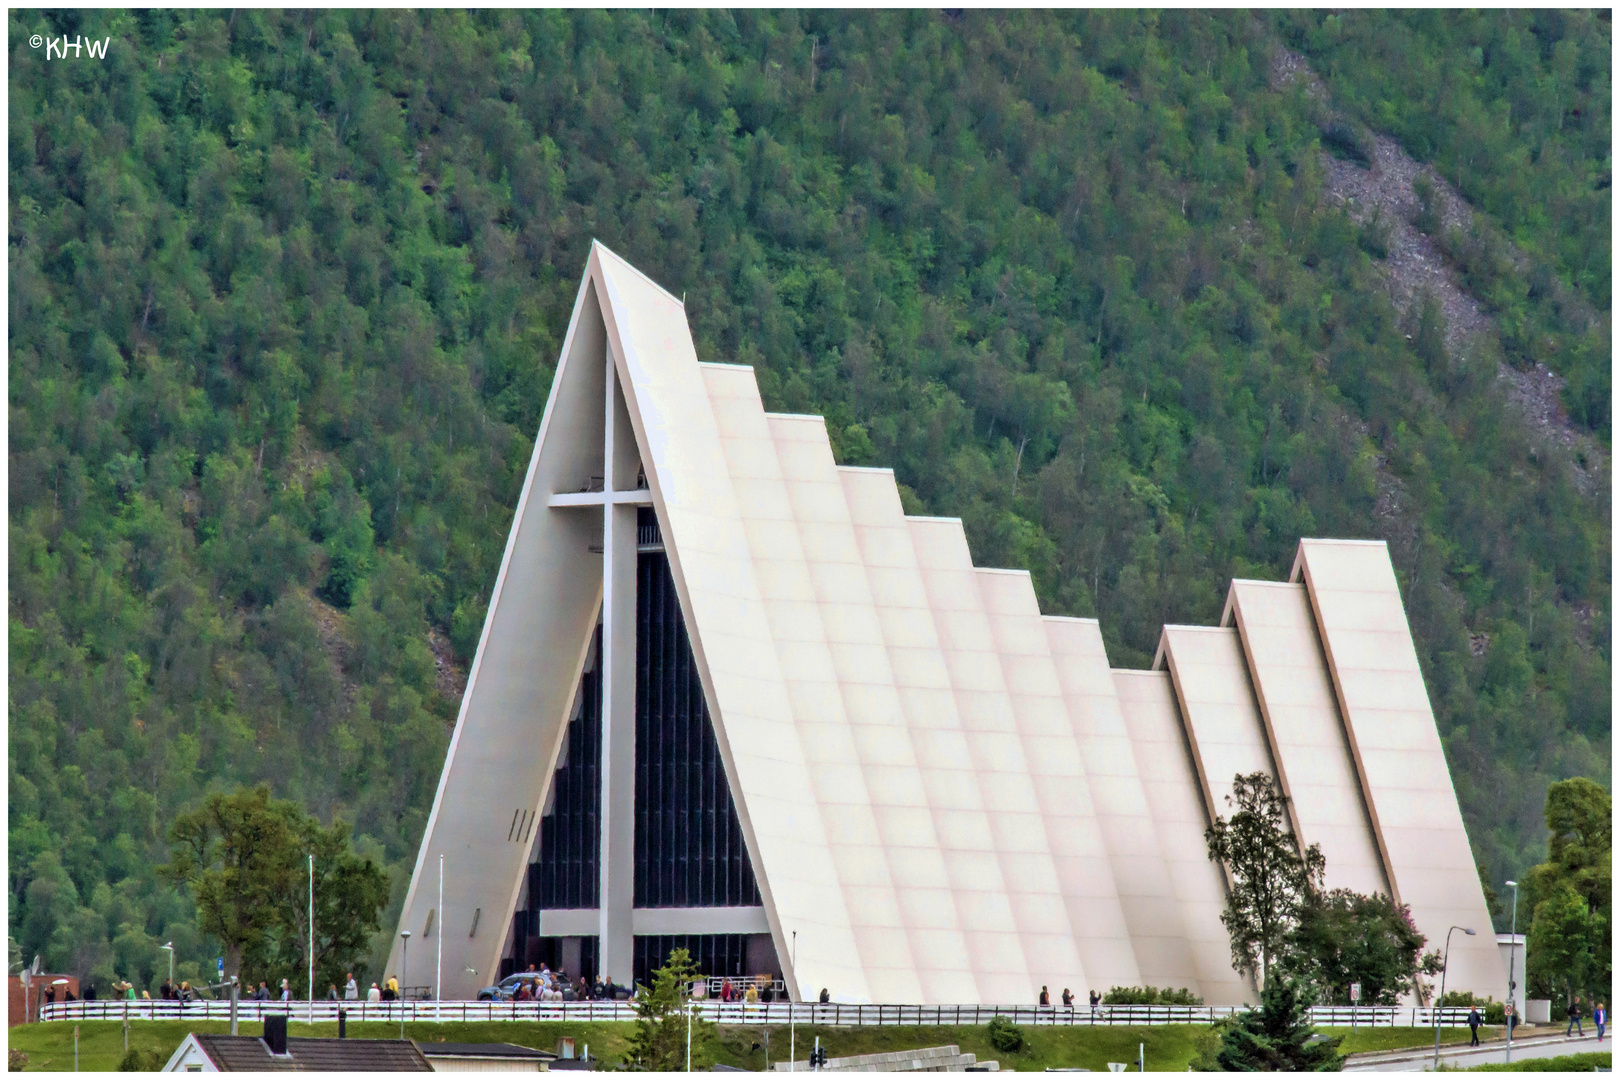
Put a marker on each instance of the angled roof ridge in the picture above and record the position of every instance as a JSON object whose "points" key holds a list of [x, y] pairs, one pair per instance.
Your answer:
{"points": [[1336, 540], [622, 261]]}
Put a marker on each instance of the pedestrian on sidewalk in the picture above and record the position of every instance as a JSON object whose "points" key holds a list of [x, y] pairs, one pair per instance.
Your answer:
{"points": [[1600, 1017], [1473, 1026], [1574, 1014]]}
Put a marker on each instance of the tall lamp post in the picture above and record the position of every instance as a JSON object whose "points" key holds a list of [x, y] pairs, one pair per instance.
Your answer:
{"points": [[311, 939], [405, 973], [1444, 964], [792, 987], [1513, 946], [170, 948]]}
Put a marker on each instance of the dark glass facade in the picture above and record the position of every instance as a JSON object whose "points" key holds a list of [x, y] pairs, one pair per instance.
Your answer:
{"points": [[715, 954], [565, 875], [689, 848]]}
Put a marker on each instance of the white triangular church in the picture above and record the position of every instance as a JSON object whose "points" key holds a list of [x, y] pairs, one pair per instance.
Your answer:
{"points": [[730, 697]]}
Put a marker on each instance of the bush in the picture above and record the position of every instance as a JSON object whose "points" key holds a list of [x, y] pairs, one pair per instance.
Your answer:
{"points": [[141, 1061], [1567, 1063], [1005, 1036], [1150, 995], [1494, 1012], [16, 1060]]}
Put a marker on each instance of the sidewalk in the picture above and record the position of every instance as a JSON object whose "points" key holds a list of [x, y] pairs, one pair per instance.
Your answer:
{"points": [[1526, 1044]]}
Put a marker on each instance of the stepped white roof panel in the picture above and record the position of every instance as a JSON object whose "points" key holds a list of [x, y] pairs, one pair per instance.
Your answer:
{"points": [[945, 796]]}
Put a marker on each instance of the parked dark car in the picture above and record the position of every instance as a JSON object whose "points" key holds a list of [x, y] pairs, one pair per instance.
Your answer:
{"points": [[507, 987]]}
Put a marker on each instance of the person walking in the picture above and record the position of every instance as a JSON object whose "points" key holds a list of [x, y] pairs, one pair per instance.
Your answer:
{"points": [[1068, 999], [351, 989], [1046, 997], [1095, 998], [1574, 1014], [1600, 1018], [332, 994], [1473, 1026], [825, 996], [286, 991], [374, 994]]}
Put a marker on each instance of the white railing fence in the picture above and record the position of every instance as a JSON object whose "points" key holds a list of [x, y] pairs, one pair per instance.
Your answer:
{"points": [[729, 1013]]}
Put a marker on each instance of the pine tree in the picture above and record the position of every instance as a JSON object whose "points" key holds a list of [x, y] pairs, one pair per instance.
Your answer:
{"points": [[1278, 1036], [659, 1042]]}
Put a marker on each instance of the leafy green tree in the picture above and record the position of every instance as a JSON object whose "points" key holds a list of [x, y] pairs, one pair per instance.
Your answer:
{"points": [[659, 1041], [1344, 937], [238, 855], [1278, 1036], [244, 857], [1572, 893], [1562, 945], [1271, 882], [350, 895]]}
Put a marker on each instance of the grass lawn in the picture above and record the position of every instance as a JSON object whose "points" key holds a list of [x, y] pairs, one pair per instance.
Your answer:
{"points": [[1168, 1046], [1370, 1040]]}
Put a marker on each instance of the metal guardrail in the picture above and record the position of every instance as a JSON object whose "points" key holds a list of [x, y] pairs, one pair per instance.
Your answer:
{"points": [[731, 1013]]}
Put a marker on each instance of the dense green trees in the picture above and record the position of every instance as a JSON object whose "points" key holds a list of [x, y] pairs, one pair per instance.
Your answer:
{"points": [[287, 289], [1570, 947]]}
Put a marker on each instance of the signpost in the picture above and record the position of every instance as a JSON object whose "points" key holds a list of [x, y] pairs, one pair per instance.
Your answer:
{"points": [[1355, 996]]}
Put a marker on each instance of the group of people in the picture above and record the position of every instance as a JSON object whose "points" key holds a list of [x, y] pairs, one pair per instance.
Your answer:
{"points": [[1068, 998], [748, 995], [1600, 1018], [543, 984]]}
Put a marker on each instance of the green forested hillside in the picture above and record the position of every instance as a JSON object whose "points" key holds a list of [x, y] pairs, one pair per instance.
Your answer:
{"points": [[287, 290]]}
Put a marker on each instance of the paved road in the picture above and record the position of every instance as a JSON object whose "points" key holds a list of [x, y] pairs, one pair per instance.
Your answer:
{"points": [[1491, 1053]]}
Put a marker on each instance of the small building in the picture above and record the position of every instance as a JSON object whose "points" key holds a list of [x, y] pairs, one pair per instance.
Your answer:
{"points": [[485, 1057], [32, 989], [251, 1053]]}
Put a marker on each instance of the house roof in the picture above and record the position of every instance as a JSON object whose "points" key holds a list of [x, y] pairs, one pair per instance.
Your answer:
{"points": [[487, 1050], [248, 1053]]}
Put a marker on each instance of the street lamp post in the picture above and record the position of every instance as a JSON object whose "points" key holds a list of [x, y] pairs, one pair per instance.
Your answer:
{"points": [[170, 948], [311, 940], [404, 975], [1444, 964], [792, 1061], [1513, 946]]}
